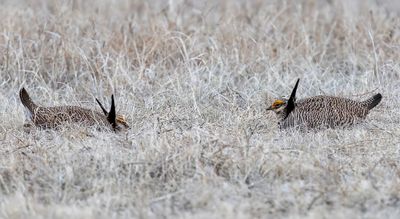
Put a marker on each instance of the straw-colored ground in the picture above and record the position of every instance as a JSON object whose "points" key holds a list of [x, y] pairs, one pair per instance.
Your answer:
{"points": [[194, 79]]}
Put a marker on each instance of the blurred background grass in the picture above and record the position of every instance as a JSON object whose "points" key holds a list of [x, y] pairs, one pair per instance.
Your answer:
{"points": [[194, 78]]}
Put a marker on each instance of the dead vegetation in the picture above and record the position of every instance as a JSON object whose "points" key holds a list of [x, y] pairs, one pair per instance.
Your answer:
{"points": [[194, 79]]}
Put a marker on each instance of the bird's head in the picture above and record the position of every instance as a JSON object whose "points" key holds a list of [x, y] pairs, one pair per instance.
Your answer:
{"points": [[278, 105], [118, 122], [285, 106], [121, 122]]}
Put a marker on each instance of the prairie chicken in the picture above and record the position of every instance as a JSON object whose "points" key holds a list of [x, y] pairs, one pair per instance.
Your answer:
{"points": [[321, 111], [53, 117]]}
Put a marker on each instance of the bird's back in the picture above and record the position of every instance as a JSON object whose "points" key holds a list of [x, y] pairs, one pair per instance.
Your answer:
{"points": [[51, 117], [326, 111]]}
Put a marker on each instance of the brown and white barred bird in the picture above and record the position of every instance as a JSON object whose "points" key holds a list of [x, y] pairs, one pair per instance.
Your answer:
{"points": [[321, 111], [54, 117]]}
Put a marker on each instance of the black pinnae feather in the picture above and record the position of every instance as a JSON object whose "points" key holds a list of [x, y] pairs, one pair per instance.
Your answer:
{"points": [[112, 114], [291, 102], [102, 108]]}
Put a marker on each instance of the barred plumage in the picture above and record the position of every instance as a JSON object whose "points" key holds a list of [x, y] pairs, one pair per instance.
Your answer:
{"points": [[53, 117], [322, 111]]}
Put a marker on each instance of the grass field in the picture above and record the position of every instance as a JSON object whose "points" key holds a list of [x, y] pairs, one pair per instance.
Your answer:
{"points": [[194, 79]]}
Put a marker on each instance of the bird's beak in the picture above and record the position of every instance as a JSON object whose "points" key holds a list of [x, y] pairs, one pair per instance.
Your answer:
{"points": [[270, 108]]}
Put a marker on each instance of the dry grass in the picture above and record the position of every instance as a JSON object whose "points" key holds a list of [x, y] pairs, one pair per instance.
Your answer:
{"points": [[194, 79]]}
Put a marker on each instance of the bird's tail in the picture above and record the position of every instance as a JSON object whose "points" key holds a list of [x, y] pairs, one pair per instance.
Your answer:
{"points": [[373, 101], [27, 101]]}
